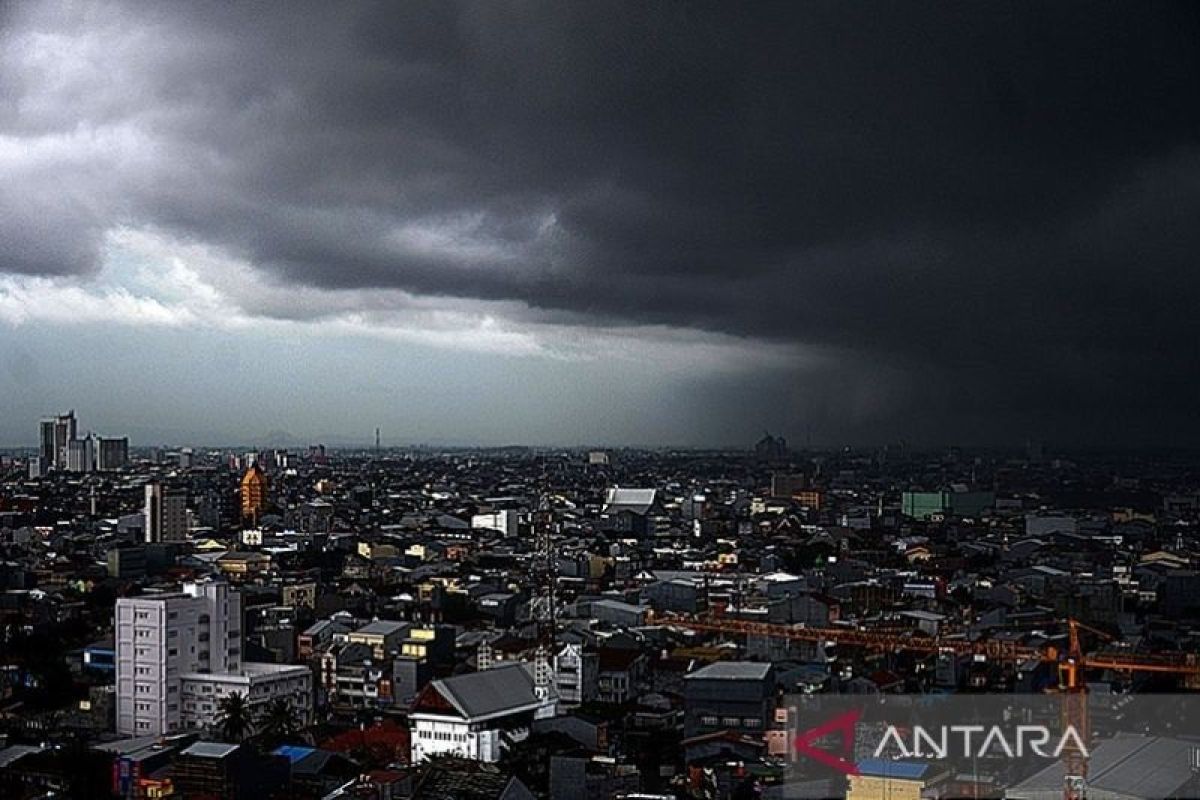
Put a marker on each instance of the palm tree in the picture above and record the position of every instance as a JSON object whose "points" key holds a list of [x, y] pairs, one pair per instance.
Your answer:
{"points": [[234, 719], [278, 721]]}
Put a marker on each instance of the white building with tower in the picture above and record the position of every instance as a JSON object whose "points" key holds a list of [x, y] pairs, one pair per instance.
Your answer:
{"points": [[478, 715]]}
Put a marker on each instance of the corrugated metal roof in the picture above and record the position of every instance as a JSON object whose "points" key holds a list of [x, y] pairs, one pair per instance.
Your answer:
{"points": [[16, 752], [210, 749], [904, 770], [635, 500], [732, 671], [294, 752], [382, 627], [492, 691], [1131, 766]]}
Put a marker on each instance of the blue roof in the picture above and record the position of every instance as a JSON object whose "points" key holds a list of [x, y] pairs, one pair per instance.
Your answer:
{"points": [[883, 768], [293, 752]]}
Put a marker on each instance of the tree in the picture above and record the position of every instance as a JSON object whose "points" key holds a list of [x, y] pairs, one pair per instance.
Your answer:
{"points": [[278, 721], [234, 720]]}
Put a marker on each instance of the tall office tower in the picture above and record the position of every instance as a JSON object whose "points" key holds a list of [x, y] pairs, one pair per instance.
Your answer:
{"points": [[178, 655], [254, 494], [46, 443], [165, 514], [37, 467], [112, 453], [55, 437], [64, 434], [81, 454]]}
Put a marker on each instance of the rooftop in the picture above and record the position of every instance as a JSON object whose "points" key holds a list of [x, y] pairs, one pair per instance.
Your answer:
{"points": [[210, 749], [382, 627], [490, 692], [732, 671], [902, 770]]}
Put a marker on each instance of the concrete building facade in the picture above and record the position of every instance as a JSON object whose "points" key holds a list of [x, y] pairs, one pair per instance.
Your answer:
{"points": [[202, 692], [159, 639], [165, 514]]}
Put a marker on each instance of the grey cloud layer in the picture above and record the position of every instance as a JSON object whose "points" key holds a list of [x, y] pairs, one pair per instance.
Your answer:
{"points": [[990, 207]]}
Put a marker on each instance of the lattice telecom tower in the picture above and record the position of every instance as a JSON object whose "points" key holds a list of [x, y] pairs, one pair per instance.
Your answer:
{"points": [[543, 574]]}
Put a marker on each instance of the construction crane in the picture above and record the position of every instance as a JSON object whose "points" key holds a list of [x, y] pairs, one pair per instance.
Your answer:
{"points": [[1071, 663]]}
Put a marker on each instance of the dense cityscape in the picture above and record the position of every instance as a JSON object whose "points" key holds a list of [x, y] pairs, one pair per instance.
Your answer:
{"points": [[620, 400], [522, 622]]}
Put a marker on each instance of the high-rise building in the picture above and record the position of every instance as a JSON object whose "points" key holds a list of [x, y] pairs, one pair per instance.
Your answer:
{"points": [[215, 508], [46, 443], [178, 655], [55, 435], [64, 434], [165, 514], [771, 448], [81, 454], [112, 453], [254, 493]]}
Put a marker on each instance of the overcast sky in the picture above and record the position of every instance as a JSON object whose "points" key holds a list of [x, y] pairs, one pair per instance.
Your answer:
{"points": [[592, 222]]}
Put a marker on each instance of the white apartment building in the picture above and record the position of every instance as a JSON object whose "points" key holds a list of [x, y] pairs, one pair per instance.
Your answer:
{"points": [[179, 654], [202, 692], [161, 638]]}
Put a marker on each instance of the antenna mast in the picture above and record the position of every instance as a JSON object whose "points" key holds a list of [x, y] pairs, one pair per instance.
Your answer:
{"points": [[542, 607]]}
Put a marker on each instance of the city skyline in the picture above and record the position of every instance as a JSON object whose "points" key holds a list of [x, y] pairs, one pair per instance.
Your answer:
{"points": [[562, 400], [656, 225]]}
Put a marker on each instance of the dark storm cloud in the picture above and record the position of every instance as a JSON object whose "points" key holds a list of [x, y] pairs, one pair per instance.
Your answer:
{"points": [[989, 206]]}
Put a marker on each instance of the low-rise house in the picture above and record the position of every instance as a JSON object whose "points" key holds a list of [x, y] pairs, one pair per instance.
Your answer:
{"points": [[477, 715], [315, 636], [382, 636], [618, 674], [201, 692], [238, 565], [737, 696]]}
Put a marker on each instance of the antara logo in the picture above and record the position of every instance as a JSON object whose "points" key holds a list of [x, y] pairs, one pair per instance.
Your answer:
{"points": [[976, 741], [946, 741], [805, 742]]}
